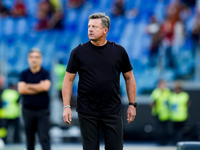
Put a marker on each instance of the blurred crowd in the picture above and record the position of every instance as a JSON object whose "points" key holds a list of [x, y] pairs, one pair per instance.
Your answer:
{"points": [[18, 9], [168, 37], [49, 13]]}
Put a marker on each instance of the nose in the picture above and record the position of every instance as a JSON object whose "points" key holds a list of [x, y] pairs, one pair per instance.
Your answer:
{"points": [[89, 28]]}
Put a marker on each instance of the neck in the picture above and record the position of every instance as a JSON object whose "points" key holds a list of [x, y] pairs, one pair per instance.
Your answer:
{"points": [[99, 43], [35, 69]]}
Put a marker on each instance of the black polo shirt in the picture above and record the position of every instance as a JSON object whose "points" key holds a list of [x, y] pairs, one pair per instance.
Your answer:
{"points": [[36, 101], [99, 69]]}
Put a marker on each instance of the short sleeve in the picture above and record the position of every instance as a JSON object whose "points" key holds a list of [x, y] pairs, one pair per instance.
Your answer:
{"points": [[126, 64], [22, 77], [73, 63], [46, 75]]}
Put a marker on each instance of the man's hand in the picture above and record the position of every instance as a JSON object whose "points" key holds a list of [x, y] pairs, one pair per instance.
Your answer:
{"points": [[67, 115], [45, 84], [131, 113]]}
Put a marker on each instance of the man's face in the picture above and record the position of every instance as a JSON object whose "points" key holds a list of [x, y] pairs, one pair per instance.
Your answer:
{"points": [[95, 29], [162, 85], [34, 59]]}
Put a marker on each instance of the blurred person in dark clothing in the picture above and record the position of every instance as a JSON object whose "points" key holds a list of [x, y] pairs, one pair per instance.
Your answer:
{"points": [[167, 35], [12, 112], [45, 11], [56, 20], [50, 15], [172, 25], [173, 32], [118, 8], [19, 9], [4, 11], [99, 64], [178, 102], [196, 35], [42, 23], [34, 85], [160, 110], [154, 30]]}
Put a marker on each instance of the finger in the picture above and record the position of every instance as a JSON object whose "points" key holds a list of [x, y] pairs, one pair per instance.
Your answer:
{"points": [[131, 118], [67, 121], [70, 117], [128, 117]]}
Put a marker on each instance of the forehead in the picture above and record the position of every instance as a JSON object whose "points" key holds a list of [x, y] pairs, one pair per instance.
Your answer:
{"points": [[94, 21], [32, 54]]}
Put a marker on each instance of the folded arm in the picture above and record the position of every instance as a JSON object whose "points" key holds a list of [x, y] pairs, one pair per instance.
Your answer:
{"points": [[43, 86], [30, 89]]}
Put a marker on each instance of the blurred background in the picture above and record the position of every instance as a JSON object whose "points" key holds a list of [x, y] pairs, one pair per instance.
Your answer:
{"points": [[162, 38]]}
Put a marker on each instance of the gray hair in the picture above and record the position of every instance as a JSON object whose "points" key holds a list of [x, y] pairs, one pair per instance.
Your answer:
{"points": [[35, 50], [105, 19]]}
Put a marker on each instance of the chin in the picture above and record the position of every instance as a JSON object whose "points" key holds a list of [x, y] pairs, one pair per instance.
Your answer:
{"points": [[94, 40], [34, 66]]}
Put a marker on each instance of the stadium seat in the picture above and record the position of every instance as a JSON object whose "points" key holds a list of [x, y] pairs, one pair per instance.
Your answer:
{"points": [[18, 36]]}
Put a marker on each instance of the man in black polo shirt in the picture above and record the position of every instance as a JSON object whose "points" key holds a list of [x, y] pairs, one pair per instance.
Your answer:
{"points": [[99, 64], [33, 86]]}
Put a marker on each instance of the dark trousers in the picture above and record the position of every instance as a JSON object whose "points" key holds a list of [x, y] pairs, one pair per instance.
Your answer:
{"points": [[178, 131], [162, 131], [111, 126], [37, 121], [13, 123]]}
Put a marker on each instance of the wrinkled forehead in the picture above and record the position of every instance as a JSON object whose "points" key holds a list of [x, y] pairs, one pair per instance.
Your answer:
{"points": [[96, 21]]}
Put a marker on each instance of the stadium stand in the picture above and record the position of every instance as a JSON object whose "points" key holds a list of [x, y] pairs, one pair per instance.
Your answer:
{"points": [[18, 36]]}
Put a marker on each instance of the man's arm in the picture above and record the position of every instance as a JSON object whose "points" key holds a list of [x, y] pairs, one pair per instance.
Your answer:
{"points": [[29, 89], [131, 92], [24, 90], [43, 86], [66, 93]]}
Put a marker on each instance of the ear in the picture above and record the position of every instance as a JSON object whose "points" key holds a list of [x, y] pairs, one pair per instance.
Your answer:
{"points": [[105, 30]]}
